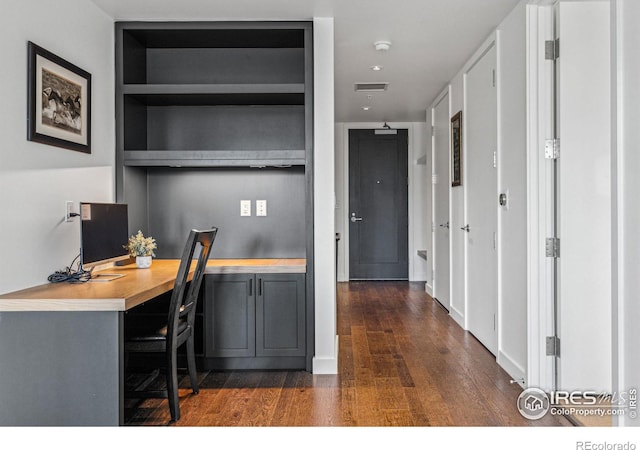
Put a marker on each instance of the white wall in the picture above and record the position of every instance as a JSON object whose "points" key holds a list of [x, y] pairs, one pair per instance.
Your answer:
{"points": [[584, 196], [326, 340], [419, 196], [37, 179], [626, 184]]}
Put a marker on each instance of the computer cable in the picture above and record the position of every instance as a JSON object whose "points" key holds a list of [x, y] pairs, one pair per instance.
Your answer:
{"points": [[70, 275]]}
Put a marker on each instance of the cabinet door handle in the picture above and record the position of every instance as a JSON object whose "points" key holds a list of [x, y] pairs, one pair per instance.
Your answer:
{"points": [[259, 286], [250, 286]]}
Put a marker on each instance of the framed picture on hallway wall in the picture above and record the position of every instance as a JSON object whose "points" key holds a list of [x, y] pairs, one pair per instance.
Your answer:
{"points": [[456, 149], [59, 101]]}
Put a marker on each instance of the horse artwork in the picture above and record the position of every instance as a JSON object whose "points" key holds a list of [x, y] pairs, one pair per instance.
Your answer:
{"points": [[61, 106], [59, 101]]}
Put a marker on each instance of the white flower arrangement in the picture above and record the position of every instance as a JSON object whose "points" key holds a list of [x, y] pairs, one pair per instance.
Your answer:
{"points": [[139, 245]]}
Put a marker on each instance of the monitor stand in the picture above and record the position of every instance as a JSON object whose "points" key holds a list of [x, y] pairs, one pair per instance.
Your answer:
{"points": [[106, 276]]}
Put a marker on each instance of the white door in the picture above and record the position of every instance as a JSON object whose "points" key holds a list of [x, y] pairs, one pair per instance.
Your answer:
{"points": [[479, 147], [441, 186], [584, 197]]}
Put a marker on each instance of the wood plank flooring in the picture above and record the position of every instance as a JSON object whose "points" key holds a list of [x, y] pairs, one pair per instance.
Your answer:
{"points": [[402, 362]]}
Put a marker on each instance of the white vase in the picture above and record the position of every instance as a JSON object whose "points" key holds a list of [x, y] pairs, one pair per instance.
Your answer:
{"points": [[143, 262]]}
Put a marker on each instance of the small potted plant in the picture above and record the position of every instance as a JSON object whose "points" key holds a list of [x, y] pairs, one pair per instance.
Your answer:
{"points": [[142, 248]]}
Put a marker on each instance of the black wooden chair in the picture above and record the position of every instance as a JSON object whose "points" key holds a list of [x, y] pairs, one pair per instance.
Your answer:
{"points": [[179, 328]]}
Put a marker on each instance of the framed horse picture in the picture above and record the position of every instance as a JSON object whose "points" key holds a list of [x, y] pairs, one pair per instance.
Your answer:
{"points": [[59, 101], [456, 149]]}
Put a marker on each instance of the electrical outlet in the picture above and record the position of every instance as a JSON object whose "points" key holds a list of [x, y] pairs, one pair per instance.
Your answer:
{"points": [[245, 208], [68, 209], [261, 208]]}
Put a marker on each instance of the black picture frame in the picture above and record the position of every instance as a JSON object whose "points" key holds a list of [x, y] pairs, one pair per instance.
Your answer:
{"points": [[456, 149], [58, 101]]}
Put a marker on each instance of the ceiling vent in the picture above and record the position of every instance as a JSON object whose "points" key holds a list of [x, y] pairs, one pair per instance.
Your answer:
{"points": [[371, 87]]}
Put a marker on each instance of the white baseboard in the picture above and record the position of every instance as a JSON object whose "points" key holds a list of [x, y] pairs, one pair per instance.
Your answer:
{"points": [[515, 370], [428, 289], [457, 316], [327, 366]]}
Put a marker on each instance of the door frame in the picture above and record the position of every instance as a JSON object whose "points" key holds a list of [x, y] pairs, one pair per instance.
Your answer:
{"points": [[540, 197], [343, 197]]}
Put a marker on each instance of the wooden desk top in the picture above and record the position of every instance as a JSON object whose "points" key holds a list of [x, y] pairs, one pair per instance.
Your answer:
{"points": [[136, 287]]}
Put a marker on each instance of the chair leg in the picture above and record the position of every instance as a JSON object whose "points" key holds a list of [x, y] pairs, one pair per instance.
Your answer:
{"points": [[191, 365], [172, 385]]}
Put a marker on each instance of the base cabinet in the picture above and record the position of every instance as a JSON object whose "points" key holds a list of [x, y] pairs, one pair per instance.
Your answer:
{"points": [[254, 321]]}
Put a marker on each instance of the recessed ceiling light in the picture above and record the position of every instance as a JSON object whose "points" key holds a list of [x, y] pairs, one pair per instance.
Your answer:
{"points": [[366, 108], [382, 45], [376, 68]]}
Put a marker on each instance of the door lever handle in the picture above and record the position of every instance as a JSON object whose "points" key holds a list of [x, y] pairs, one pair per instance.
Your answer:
{"points": [[465, 228], [355, 219], [445, 225]]}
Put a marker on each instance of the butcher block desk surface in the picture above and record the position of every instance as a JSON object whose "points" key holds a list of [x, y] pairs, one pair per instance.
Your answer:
{"points": [[136, 287]]}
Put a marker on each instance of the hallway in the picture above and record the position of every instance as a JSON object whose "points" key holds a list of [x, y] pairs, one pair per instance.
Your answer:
{"points": [[403, 362]]}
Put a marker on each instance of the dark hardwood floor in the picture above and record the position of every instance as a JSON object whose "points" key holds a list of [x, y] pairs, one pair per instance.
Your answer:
{"points": [[403, 362]]}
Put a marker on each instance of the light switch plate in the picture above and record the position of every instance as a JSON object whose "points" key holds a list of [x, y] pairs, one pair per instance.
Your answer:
{"points": [[245, 208], [261, 208]]}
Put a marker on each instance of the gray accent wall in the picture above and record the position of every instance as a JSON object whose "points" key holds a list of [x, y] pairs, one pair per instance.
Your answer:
{"points": [[184, 198]]}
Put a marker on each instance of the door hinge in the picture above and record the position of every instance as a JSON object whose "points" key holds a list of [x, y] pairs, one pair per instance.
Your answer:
{"points": [[552, 50], [495, 160], [433, 131], [552, 148], [553, 346], [493, 77], [552, 247]]}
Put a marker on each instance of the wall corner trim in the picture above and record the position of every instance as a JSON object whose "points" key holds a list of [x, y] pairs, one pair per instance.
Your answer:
{"points": [[327, 365]]}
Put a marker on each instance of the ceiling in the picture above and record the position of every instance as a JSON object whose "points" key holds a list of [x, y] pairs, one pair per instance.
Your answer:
{"points": [[430, 41]]}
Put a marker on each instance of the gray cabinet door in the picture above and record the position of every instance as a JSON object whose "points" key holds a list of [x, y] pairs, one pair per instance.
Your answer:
{"points": [[280, 315], [230, 315]]}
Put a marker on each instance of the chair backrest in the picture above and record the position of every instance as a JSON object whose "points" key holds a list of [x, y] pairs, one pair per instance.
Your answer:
{"points": [[183, 300]]}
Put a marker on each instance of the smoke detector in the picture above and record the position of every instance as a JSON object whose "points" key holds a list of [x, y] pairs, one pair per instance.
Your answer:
{"points": [[382, 46]]}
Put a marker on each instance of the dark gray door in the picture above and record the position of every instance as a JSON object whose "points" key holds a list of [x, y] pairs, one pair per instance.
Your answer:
{"points": [[378, 206]]}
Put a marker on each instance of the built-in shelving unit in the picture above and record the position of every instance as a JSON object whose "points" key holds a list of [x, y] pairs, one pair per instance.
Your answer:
{"points": [[213, 94], [212, 113]]}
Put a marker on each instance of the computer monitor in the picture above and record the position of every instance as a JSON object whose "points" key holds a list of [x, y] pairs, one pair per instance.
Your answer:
{"points": [[104, 231]]}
